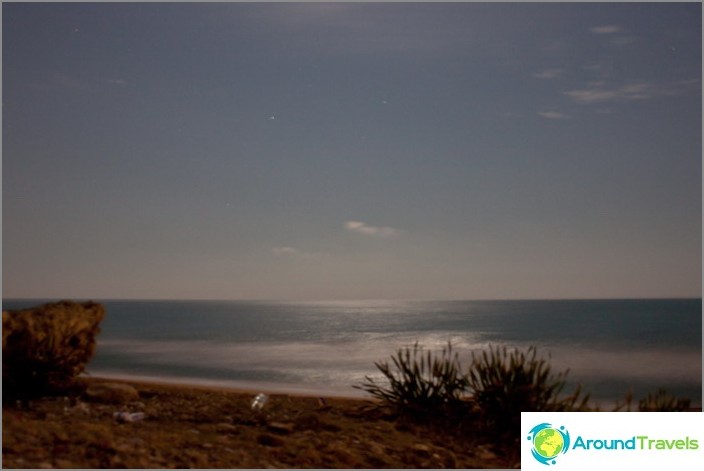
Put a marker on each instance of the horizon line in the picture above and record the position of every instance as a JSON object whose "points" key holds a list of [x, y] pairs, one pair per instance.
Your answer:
{"points": [[313, 300]]}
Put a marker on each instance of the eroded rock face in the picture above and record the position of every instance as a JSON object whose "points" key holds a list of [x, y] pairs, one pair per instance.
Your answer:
{"points": [[46, 347]]}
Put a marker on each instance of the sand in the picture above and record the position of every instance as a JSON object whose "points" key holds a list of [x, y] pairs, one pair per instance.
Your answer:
{"points": [[205, 427]]}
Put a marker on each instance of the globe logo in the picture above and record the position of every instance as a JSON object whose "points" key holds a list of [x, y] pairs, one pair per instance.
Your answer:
{"points": [[548, 442]]}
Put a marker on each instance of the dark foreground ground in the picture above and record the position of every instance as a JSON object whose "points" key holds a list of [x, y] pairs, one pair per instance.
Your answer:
{"points": [[189, 427]]}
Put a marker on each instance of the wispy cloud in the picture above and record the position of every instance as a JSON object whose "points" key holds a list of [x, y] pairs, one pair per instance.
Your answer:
{"points": [[372, 231], [623, 39], [597, 92], [600, 94], [116, 81], [593, 95], [286, 250], [553, 115], [606, 29], [549, 74]]}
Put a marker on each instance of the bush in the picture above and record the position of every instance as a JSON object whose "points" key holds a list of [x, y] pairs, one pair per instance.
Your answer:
{"points": [[662, 401], [45, 348], [505, 384], [420, 383], [502, 384]]}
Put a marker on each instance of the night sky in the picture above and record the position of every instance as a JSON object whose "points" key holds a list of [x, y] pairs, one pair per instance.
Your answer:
{"points": [[351, 151]]}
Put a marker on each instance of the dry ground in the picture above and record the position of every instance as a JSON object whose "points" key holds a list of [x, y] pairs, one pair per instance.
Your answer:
{"points": [[188, 427]]}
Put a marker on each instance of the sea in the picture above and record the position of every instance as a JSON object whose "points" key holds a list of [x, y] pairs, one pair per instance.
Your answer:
{"points": [[609, 347]]}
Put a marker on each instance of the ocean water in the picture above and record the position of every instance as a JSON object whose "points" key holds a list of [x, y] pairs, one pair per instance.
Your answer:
{"points": [[609, 346]]}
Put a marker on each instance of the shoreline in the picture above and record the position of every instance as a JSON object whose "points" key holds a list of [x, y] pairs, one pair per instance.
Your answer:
{"points": [[242, 387], [289, 389]]}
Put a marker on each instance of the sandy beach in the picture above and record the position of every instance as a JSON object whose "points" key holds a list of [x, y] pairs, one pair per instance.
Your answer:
{"points": [[190, 426]]}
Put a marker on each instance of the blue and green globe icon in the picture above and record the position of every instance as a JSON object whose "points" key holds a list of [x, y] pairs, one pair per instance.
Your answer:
{"points": [[549, 442]]}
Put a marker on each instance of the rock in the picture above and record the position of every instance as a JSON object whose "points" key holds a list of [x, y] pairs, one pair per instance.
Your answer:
{"points": [[280, 427], [450, 460], [226, 428], [483, 453], [269, 440], [45, 348], [111, 393], [307, 422], [422, 449], [329, 426], [80, 408]]}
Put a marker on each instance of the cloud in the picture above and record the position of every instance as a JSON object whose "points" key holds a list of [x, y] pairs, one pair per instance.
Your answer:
{"points": [[606, 29], [596, 92], [372, 231], [553, 115], [592, 95], [599, 94], [285, 251], [549, 74], [116, 81]]}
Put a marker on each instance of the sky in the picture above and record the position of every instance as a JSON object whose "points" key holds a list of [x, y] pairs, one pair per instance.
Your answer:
{"points": [[351, 150]]}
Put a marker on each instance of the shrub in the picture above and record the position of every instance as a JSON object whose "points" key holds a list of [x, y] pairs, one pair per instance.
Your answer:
{"points": [[504, 384], [420, 383], [45, 348], [662, 401]]}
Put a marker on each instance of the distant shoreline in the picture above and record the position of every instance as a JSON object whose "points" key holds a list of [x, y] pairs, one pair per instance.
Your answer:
{"points": [[245, 387]]}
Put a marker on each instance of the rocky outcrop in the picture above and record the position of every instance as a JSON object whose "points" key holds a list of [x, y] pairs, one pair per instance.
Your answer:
{"points": [[45, 348]]}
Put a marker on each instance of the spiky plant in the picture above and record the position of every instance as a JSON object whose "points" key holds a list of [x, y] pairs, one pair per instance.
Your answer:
{"points": [[419, 382], [662, 401], [504, 384]]}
